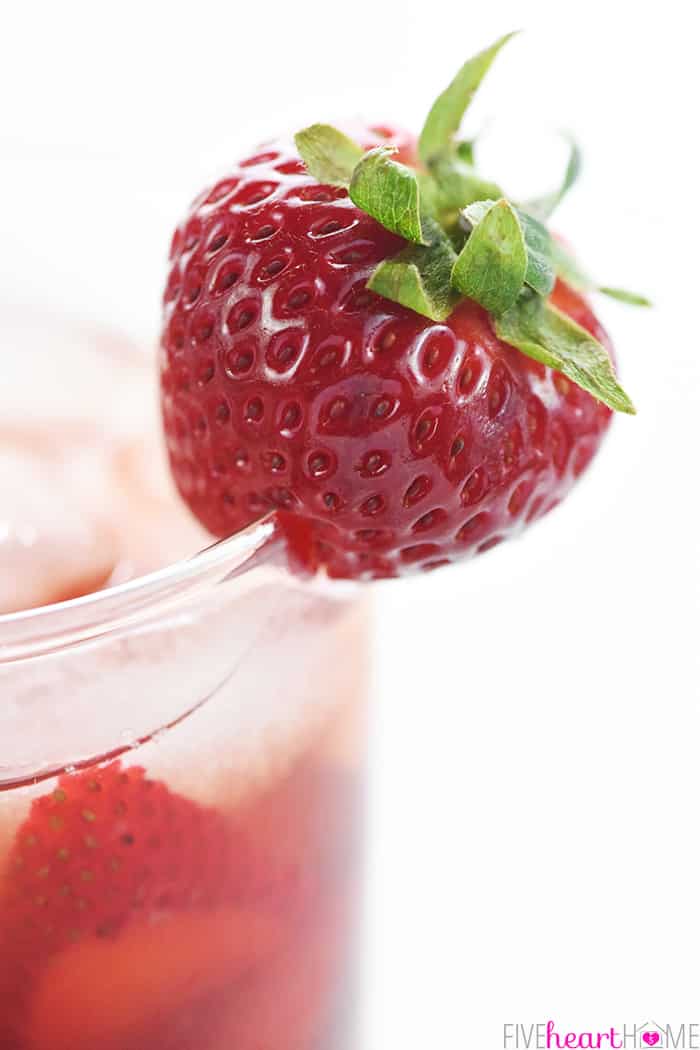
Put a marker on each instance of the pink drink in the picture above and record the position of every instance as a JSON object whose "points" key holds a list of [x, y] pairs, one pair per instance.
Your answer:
{"points": [[180, 756]]}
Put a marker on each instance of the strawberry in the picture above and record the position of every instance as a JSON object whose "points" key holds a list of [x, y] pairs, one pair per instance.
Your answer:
{"points": [[369, 337], [131, 916], [107, 850], [165, 984], [105, 847]]}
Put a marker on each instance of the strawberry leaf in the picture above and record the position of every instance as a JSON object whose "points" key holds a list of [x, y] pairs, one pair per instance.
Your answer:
{"points": [[492, 265], [475, 212], [540, 268], [539, 273], [446, 114], [329, 155], [419, 276], [388, 191], [542, 332], [544, 206], [465, 151], [458, 183], [623, 296]]}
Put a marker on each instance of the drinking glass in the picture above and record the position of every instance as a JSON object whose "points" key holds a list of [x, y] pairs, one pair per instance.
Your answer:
{"points": [[181, 791], [181, 752]]}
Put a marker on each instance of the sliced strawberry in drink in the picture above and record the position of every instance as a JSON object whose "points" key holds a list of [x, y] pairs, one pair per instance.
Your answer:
{"points": [[155, 985], [108, 848], [130, 916], [108, 845]]}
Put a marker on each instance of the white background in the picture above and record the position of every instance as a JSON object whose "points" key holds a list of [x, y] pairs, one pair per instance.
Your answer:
{"points": [[536, 801]]}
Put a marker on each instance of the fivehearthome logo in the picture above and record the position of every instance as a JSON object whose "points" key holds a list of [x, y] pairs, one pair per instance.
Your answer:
{"points": [[549, 1035]]}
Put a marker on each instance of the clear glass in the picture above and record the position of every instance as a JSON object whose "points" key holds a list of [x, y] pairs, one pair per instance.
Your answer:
{"points": [[181, 770], [181, 753]]}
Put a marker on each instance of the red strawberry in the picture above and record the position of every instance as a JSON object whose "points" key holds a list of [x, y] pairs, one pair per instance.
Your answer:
{"points": [[106, 851], [166, 984], [129, 915], [108, 846], [389, 440]]}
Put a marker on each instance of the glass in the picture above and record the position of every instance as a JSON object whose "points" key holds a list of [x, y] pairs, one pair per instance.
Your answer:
{"points": [[181, 754], [181, 772]]}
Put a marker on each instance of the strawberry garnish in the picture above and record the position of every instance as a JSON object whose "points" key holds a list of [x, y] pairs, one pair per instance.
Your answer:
{"points": [[364, 333]]}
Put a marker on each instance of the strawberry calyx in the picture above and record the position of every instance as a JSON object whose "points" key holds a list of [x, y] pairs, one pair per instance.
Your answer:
{"points": [[467, 239]]}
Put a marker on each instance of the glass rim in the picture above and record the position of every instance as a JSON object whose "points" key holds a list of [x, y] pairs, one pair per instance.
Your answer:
{"points": [[26, 630]]}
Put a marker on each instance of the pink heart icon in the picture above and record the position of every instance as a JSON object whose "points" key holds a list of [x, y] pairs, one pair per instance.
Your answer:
{"points": [[651, 1038]]}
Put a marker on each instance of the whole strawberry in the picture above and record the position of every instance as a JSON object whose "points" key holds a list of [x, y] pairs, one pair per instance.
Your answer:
{"points": [[364, 334]]}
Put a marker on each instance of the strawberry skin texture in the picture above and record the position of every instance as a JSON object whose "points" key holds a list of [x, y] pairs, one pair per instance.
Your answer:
{"points": [[103, 848], [132, 917], [387, 442], [106, 850]]}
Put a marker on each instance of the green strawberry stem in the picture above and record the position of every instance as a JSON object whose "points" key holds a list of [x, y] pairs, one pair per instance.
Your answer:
{"points": [[467, 239]]}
